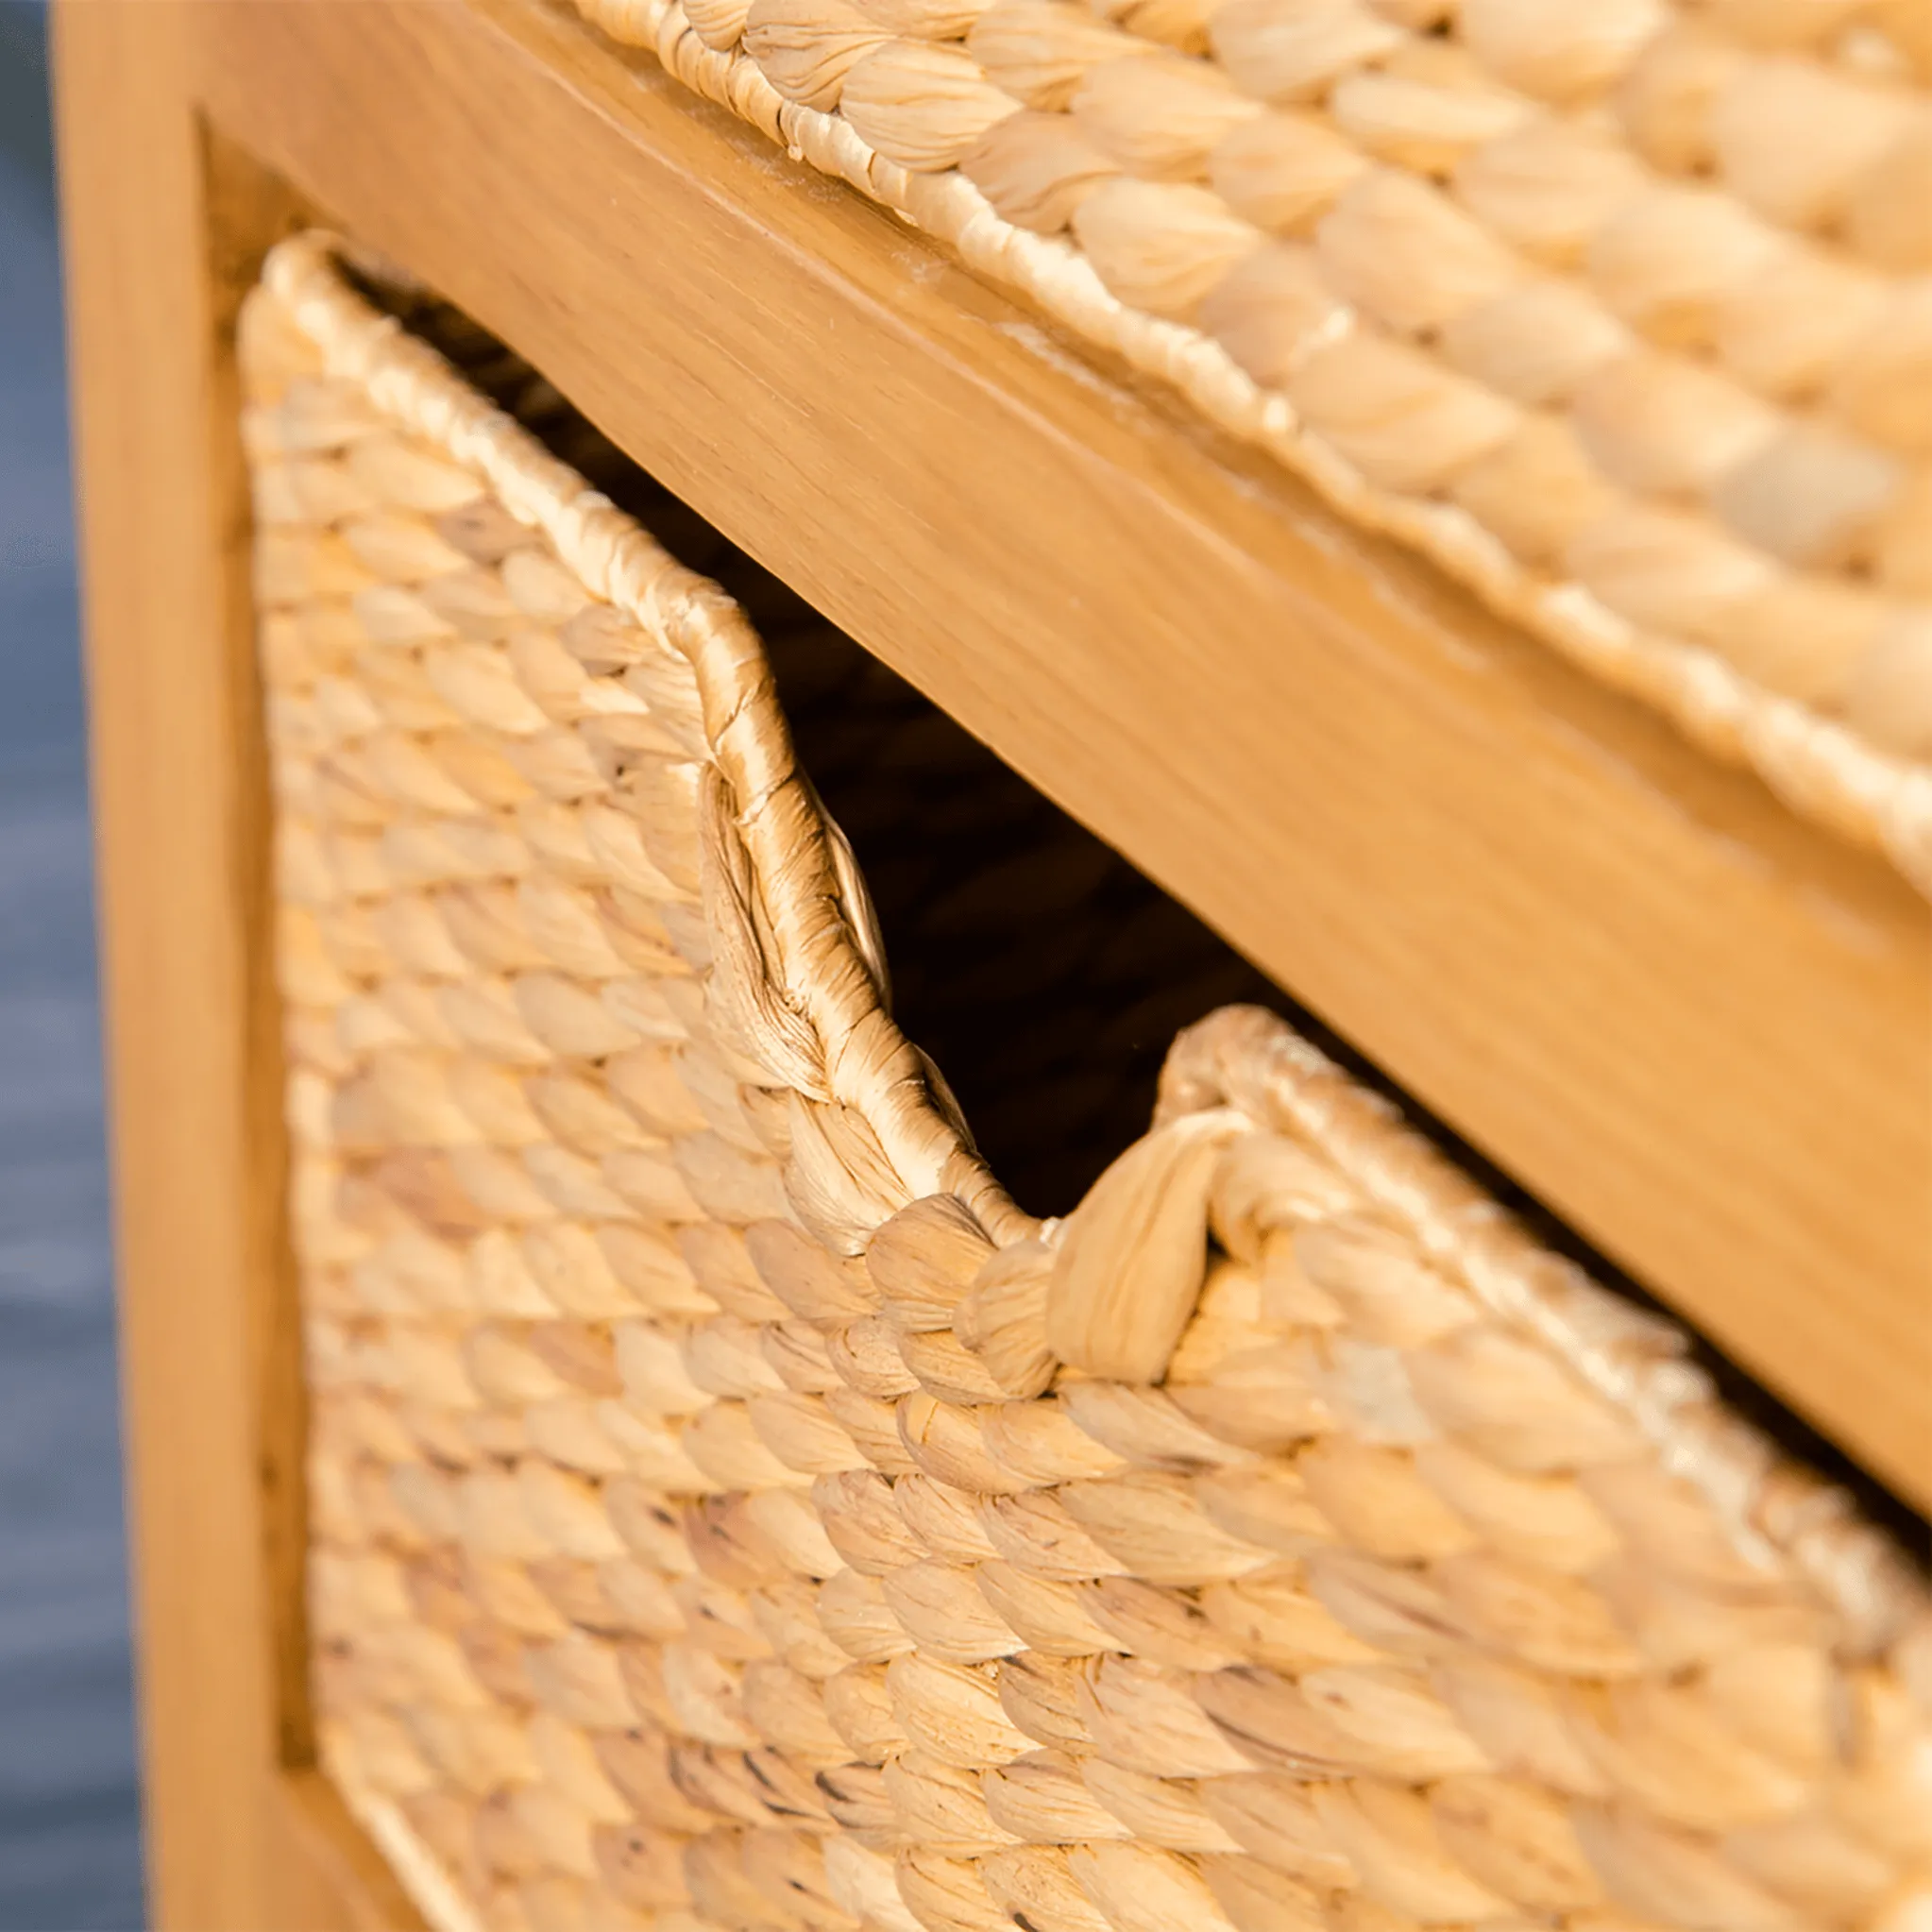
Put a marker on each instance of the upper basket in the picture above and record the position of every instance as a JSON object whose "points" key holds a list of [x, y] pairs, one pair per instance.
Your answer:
{"points": [[1617, 309], [731, 1514]]}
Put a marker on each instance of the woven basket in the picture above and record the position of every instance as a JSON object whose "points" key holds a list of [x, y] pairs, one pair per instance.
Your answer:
{"points": [[1620, 309], [731, 1514]]}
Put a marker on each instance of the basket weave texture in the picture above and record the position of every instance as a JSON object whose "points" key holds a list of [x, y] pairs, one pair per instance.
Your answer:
{"points": [[1617, 308], [730, 1513]]}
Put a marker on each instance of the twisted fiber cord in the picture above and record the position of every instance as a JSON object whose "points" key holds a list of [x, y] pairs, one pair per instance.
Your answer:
{"points": [[748, 1588], [1302, 369]]}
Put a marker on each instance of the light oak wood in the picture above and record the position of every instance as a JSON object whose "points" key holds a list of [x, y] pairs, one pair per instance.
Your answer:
{"points": [[365, 1894], [1697, 1029], [164, 231]]}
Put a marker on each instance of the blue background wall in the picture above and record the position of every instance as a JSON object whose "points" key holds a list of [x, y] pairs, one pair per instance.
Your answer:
{"points": [[69, 1834]]}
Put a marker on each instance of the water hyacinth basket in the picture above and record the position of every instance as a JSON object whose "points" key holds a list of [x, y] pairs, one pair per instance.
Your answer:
{"points": [[731, 1513], [1620, 310]]}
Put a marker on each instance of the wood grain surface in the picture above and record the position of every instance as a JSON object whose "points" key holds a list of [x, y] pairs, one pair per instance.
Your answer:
{"points": [[1698, 1030]]}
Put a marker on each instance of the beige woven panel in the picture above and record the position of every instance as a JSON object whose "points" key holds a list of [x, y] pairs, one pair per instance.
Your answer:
{"points": [[730, 1514], [1617, 308]]}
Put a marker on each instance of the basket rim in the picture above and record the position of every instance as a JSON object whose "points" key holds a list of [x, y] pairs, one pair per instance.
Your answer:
{"points": [[820, 971]]}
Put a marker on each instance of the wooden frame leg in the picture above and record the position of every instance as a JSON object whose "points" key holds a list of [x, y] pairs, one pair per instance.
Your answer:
{"points": [[164, 228]]}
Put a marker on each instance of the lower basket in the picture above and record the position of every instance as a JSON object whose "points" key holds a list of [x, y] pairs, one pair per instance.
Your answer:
{"points": [[732, 1514]]}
